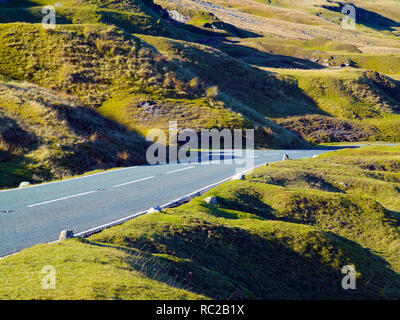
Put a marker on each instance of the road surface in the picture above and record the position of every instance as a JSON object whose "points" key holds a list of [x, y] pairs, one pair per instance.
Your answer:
{"points": [[37, 214]]}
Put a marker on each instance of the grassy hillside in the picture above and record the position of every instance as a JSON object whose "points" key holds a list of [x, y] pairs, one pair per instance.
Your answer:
{"points": [[44, 136], [354, 105], [82, 97], [107, 68], [315, 44], [128, 71], [277, 67], [283, 233]]}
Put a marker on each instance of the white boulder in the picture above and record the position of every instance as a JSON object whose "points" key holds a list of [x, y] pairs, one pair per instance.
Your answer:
{"points": [[24, 184], [344, 185], [66, 234], [154, 209], [211, 200]]}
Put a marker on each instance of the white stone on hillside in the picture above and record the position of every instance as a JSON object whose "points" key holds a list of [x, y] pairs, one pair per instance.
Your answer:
{"points": [[344, 185], [211, 200], [66, 234], [154, 209], [24, 184]]}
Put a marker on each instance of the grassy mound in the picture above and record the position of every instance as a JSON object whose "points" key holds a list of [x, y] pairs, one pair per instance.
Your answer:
{"points": [[353, 106], [133, 16], [127, 71], [349, 94], [84, 271], [220, 258], [318, 128]]}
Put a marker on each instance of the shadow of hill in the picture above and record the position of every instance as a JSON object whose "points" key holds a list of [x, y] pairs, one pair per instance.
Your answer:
{"points": [[16, 3], [233, 263], [14, 137], [231, 31], [245, 201], [263, 59], [111, 140], [262, 91], [27, 15]]}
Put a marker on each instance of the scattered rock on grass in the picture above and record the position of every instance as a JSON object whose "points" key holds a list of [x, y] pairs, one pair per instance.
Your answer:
{"points": [[24, 184], [66, 234], [211, 200], [344, 185]]}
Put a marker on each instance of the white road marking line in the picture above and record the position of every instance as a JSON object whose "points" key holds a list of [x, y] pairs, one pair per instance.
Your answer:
{"points": [[59, 199], [180, 170], [131, 182]]}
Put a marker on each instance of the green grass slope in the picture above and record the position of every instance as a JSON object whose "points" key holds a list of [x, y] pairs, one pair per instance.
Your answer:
{"points": [[134, 16], [353, 105], [127, 70], [85, 271], [330, 102], [44, 136]]}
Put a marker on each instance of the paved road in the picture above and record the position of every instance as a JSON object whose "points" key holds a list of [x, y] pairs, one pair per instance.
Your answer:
{"points": [[37, 214]]}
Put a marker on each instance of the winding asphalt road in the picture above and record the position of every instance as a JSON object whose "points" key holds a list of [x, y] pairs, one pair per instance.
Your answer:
{"points": [[37, 214]]}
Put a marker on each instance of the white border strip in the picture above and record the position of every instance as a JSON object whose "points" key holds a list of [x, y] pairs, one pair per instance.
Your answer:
{"points": [[60, 199], [132, 182]]}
